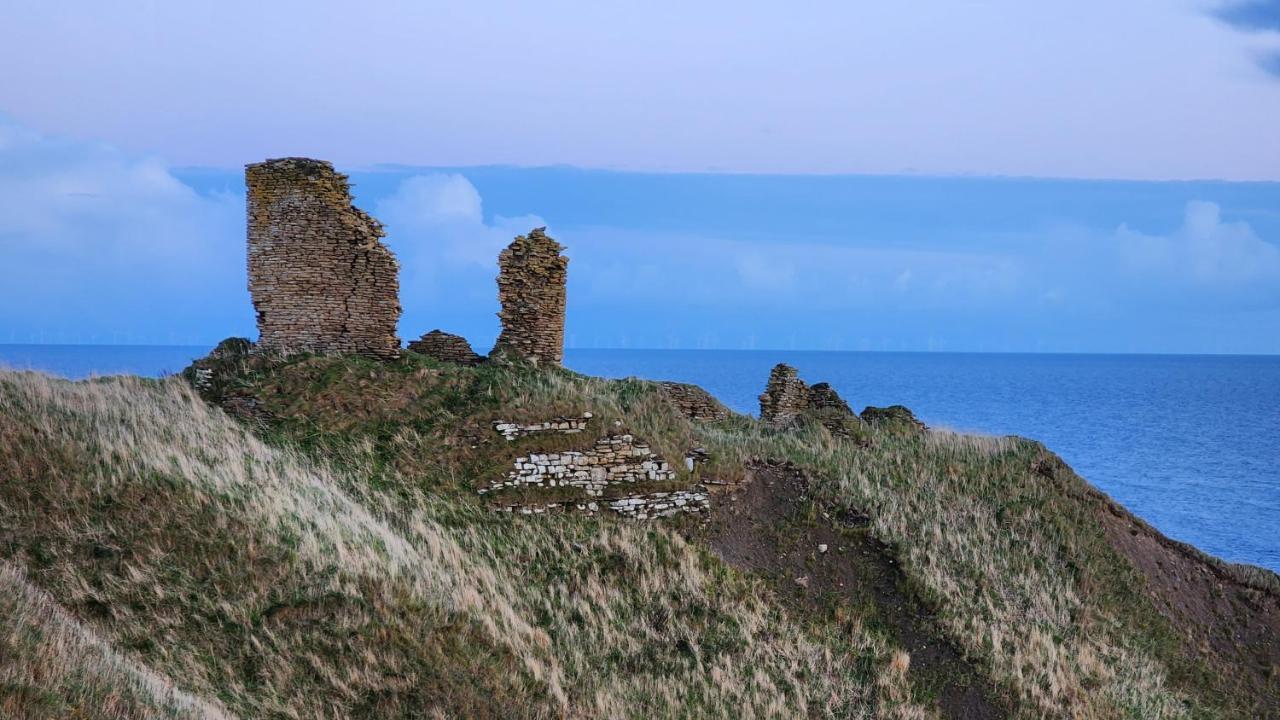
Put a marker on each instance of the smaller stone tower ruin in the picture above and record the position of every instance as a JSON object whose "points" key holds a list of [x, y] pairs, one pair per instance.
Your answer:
{"points": [[531, 288], [785, 398], [320, 278]]}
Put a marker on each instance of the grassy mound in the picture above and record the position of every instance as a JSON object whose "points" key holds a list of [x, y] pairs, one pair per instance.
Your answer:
{"points": [[324, 554], [260, 578]]}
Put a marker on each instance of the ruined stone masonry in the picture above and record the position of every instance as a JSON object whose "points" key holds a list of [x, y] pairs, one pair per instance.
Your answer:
{"points": [[785, 397], [636, 507], [531, 288], [824, 397], [614, 459], [446, 347], [563, 425], [320, 278], [693, 402]]}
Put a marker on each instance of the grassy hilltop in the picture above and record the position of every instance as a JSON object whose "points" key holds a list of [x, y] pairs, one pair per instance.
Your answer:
{"points": [[302, 538]]}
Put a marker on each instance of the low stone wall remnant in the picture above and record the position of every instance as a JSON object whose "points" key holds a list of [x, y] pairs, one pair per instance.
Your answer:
{"points": [[561, 425], [661, 504], [693, 402], [824, 397], [646, 506], [446, 347], [615, 459]]}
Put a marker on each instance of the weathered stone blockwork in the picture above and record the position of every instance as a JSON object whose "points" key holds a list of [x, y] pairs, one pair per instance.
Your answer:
{"points": [[446, 347], [562, 425], [785, 397], [646, 506], [615, 459], [661, 504], [693, 402], [824, 397], [320, 278], [531, 288]]}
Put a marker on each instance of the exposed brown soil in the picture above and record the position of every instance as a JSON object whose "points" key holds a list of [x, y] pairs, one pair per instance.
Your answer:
{"points": [[768, 526], [1232, 623]]}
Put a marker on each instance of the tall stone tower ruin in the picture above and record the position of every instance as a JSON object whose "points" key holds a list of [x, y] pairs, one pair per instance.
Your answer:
{"points": [[531, 288], [320, 278]]}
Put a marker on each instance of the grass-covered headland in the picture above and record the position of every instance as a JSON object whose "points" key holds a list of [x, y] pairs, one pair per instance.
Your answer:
{"points": [[301, 538]]}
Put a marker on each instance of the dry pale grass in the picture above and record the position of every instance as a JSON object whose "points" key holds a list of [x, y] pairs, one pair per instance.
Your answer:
{"points": [[1018, 567], [282, 585], [51, 666]]}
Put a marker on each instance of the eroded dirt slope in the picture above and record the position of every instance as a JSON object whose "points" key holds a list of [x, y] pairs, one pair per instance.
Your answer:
{"points": [[834, 566]]}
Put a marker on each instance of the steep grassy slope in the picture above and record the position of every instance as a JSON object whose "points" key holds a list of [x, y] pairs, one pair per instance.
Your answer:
{"points": [[273, 584], [327, 556]]}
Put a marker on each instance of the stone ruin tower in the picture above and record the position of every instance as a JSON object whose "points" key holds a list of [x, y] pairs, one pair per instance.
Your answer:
{"points": [[785, 398], [321, 279], [531, 288]]}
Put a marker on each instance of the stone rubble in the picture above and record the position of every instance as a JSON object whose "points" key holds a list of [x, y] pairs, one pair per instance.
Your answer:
{"points": [[824, 397], [562, 425], [646, 506], [661, 504], [320, 278], [787, 398], [614, 459], [693, 402], [446, 347], [531, 288]]}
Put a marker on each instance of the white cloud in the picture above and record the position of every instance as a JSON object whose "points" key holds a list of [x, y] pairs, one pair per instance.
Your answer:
{"points": [[92, 237], [1206, 256], [438, 220]]}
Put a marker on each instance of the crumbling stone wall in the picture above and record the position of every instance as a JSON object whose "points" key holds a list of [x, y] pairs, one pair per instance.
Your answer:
{"points": [[562, 425], [613, 460], [785, 397], [823, 397], [647, 506], [693, 402], [446, 347], [531, 288], [320, 278]]}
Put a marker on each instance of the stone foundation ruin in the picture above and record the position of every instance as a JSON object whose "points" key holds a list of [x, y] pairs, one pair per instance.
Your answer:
{"points": [[445, 347], [615, 459], [320, 278], [693, 402], [562, 425], [531, 288], [787, 398]]}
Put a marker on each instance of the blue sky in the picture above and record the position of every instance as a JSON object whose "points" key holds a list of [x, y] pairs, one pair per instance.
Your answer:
{"points": [[848, 177]]}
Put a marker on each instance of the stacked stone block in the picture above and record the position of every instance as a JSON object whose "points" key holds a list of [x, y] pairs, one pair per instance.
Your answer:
{"points": [[562, 425], [662, 504], [446, 347], [693, 402], [614, 459], [320, 278], [531, 288], [647, 506], [785, 397], [823, 397]]}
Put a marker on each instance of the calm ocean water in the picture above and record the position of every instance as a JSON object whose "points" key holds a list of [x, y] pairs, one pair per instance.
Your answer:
{"points": [[1190, 443]]}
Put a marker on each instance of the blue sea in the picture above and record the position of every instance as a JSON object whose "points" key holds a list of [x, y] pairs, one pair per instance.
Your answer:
{"points": [[1189, 443]]}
